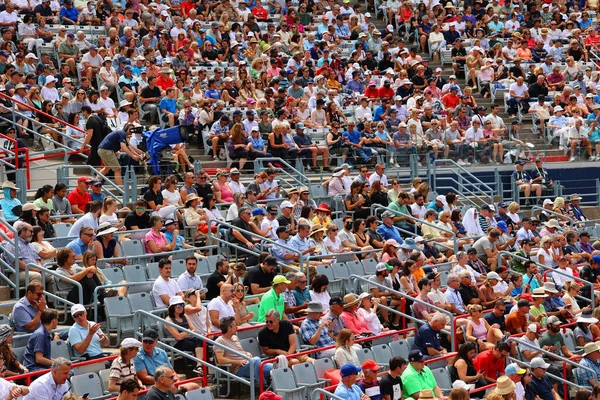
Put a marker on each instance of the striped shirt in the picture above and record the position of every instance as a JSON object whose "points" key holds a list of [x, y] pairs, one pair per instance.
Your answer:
{"points": [[121, 371]]}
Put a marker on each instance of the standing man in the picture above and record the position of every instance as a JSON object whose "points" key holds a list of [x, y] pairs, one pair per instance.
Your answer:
{"points": [[118, 142]]}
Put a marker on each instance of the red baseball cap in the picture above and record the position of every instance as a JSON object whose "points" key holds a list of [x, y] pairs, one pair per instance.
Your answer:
{"points": [[370, 364], [186, 40], [268, 395], [84, 179]]}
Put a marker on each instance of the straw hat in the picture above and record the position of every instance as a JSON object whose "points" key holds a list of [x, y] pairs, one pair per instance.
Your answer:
{"points": [[504, 385], [316, 228], [350, 299]]}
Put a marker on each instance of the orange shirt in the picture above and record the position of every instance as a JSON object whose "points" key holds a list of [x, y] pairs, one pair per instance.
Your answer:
{"points": [[515, 321]]}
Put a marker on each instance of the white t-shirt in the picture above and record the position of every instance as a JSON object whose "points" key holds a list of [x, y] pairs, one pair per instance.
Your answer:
{"points": [[518, 90], [224, 309], [336, 247], [173, 198], [6, 17], [108, 105], [273, 225], [382, 179], [94, 61], [160, 287]]}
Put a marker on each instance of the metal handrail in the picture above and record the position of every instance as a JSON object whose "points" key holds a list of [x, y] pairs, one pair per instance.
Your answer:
{"points": [[46, 270], [139, 315], [463, 189], [324, 394], [464, 171], [574, 278], [454, 238], [16, 256], [534, 208], [144, 256], [413, 299], [301, 182], [97, 289], [93, 171]]}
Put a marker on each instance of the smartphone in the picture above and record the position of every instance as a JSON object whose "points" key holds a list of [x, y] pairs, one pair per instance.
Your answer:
{"points": [[85, 396]]}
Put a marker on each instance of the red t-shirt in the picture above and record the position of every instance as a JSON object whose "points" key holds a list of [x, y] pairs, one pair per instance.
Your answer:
{"points": [[386, 93], [372, 93], [76, 198], [163, 83], [450, 101], [491, 367], [260, 13]]}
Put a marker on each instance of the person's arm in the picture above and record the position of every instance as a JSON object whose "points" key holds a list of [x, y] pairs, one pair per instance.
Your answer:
{"points": [[258, 290], [86, 141], [175, 333], [82, 346], [35, 322], [40, 359], [145, 377], [214, 317], [113, 386], [221, 359], [242, 239]]}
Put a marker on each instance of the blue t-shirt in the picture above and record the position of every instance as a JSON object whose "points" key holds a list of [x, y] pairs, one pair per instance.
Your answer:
{"points": [[149, 363], [427, 337], [71, 14], [212, 94], [353, 136], [113, 141], [170, 105]]}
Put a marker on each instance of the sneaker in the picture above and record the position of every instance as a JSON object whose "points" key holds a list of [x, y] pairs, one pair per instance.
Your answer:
{"points": [[396, 165], [215, 158], [308, 168], [561, 148], [461, 162], [593, 158], [572, 159]]}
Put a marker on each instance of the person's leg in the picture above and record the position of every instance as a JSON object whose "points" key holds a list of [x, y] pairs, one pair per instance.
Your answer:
{"points": [[512, 105], [215, 146], [384, 312], [118, 178], [314, 153], [526, 189]]}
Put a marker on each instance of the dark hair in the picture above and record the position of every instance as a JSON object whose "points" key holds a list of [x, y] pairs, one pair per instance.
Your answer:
{"points": [[191, 258], [463, 350], [48, 315], [305, 211], [318, 282], [583, 394], [370, 220], [62, 255], [36, 229], [397, 362], [162, 262], [34, 285], [93, 206], [356, 224], [129, 385], [422, 282], [455, 216], [71, 118], [502, 346], [43, 190], [86, 109], [225, 323]]}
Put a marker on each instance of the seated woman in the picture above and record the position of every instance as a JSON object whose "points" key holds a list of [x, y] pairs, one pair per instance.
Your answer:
{"points": [[44, 249], [123, 367], [479, 331], [65, 259], [185, 342], [105, 246], [345, 352], [12, 366], [463, 367], [196, 313], [239, 304], [90, 260], [110, 207], [156, 242], [170, 192], [195, 216], [156, 202], [237, 203]]}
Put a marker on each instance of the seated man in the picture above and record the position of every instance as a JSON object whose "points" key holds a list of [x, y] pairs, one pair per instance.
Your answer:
{"points": [[27, 311], [523, 182], [278, 338], [219, 277], [492, 362], [274, 298], [417, 376], [385, 296], [347, 388], [164, 287], [316, 331], [219, 307], [37, 352], [239, 366], [86, 337], [151, 357], [428, 339], [260, 279]]}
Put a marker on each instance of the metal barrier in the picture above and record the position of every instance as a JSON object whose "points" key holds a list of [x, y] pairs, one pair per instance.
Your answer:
{"points": [[14, 155], [545, 268], [165, 254], [27, 376], [454, 238], [535, 208], [6, 267], [64, 176], [45, 270], [475, 182], [357, 279], [140, 314], [294, 173]]}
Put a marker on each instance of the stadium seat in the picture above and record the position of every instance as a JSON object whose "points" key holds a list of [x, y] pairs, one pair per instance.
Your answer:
{"points": [[132, 248], [60, 348], [365, 354], [113, 274], [306, 375], [19, 353], [400, 348], [152, 270], [323, 365], [104, 378], [369, 266], [88, 383], [119, 316], [284, 384], [177, 267], [442, 377], [199, 394], [144, 302], [135, 273], [382, 355], [251, 346]]}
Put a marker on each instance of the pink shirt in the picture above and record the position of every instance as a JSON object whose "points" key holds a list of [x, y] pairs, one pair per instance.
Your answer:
{"points": [[158, 238], [355, 322], [226, 192]]}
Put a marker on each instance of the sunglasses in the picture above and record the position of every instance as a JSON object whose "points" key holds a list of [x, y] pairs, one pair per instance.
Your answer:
{"points": [[77, 315], [147, 341]]}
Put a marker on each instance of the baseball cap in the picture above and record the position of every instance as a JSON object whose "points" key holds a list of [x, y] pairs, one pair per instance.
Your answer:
{"points": [[84, 179], [272, 209], [150, 334], [553, 320], [383, 267], [370, 364], [282, 229], [258, 211], [533, 328], [77, 308], [336, 301], [280, 279], [416, 356], [349, 369], [538, 362], [514, 368], [286, 204]]}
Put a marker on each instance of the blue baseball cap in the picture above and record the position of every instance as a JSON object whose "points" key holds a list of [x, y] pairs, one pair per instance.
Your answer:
{"points": [[143, 70], [454, 87], [258, 211], [128, 68], [289, 71], [122, 59], [502, 225], [349, 369], [596, 259]]}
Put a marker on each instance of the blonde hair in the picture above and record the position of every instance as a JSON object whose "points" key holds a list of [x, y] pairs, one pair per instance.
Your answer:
{"points": [[471, 308], [513, 207], [559, 202]]}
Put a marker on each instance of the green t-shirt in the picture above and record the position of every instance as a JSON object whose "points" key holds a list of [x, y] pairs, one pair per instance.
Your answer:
{"points": [[269, 301], [548, 340], [403, 209], [414, 382], [536, 312]]}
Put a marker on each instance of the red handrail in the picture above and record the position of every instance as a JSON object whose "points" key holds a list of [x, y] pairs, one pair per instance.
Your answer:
{"points": [[191, 380], [27, 376], [16, 149], [53, 118]]}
